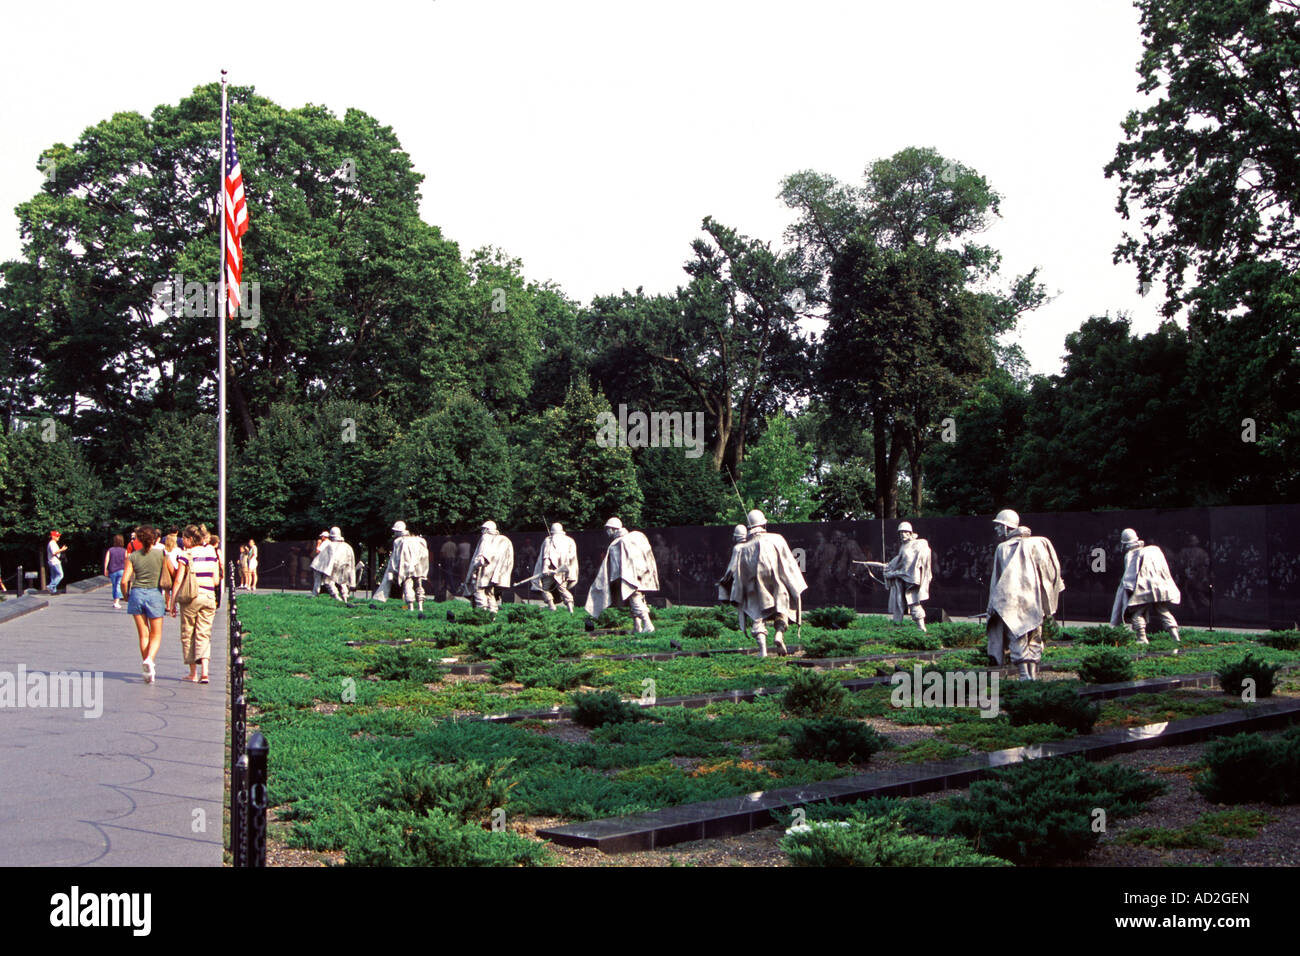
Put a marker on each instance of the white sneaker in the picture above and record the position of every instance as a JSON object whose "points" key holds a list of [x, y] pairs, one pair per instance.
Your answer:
{"points": [[144, 670], [152, 674], [117, 605]]}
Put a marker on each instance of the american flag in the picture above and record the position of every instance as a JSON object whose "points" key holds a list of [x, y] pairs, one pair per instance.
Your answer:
{"points": [[236, 212]]}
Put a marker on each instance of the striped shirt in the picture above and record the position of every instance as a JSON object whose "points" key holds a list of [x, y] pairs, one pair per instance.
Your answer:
{"points": [[203, 561]]}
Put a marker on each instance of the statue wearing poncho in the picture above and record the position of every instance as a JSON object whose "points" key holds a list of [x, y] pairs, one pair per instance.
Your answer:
{"points": [[1024, 588], [907, 576], [767, 584], [627, 572], [490, 568], [338, 565], [556, 569], [1146, 587], [408, 566]]}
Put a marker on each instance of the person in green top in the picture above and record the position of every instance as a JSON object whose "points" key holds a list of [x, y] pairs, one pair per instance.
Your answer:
{"points": [[142, 582]]}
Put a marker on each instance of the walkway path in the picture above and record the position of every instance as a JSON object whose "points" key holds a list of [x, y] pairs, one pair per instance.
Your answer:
{"points": [[141, 783]]}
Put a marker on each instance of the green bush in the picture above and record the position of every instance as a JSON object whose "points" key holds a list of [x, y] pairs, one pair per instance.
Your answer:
{"points": [[1041, 812], [914, 639], [727, 616], [701, 627], [835, 740], [514, 613], [1233, 675], [960, 634], [533, 670], [1252, 768], [468, 791], [1048, 702], [404, 838], [1106, 665], [1104, 634], [407, 662], [1051, 629], [595, 709], [875, 841], [473, 616], [1281, 640], [814, 694], [831, 644], [613, 618], [831, 618]]}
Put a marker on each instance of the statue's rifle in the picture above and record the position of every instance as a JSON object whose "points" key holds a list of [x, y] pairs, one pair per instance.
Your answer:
{"points": [[873, 564]]}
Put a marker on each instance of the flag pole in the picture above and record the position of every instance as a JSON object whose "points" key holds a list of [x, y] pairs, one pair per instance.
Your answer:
{"points": [[221, 347]]}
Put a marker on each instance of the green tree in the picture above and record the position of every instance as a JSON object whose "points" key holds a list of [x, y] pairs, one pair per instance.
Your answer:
{"points": [[449, 471], [1210, 174], [169, 476], [274, 481], [775, 476], [354, 438], [565, 474], [1111, 431], [975, 472], [914, 317], [680, 491], [358, 297]]}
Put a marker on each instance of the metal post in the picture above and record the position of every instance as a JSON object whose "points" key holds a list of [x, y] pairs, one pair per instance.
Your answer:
{"points": [[238, 811], [255, 829], [21, 585]]}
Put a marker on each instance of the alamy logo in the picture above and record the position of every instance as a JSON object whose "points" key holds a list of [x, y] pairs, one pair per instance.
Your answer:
{"points": [[191, 299], [76, 690], [75, 908], [655, 430], [946, 689]]}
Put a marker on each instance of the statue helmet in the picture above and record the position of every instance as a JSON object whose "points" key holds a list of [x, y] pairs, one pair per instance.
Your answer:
{"points": [[1008, 519], [400, 527], [905, 526], [488, 527], [557, 528], [614, 523], [756, 519], [1128, 537], [336, 534], [739, 533]]}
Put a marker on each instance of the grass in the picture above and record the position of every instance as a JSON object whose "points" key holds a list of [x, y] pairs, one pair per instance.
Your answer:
{"points": [[1207, 833]]}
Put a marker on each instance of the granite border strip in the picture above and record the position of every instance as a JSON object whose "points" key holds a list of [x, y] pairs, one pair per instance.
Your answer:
{"points": [[13, 608], [731, 816]]}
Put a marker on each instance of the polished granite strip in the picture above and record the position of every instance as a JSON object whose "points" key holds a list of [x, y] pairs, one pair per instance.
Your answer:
{"points": [[731, 816], [11, 608]]}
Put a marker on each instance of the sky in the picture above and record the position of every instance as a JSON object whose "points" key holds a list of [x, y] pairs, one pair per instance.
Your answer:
{"points": [[590, 139]]}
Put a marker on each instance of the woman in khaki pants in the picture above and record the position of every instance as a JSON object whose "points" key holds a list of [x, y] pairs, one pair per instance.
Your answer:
{"points": [[199, 559]]}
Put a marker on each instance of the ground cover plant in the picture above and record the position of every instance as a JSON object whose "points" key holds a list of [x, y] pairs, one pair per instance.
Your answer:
{"points": [[1106, 665], [1250, 768], [1207, 833], [343, 719]]}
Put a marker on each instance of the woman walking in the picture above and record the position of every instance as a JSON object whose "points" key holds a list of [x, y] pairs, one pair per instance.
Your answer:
{"points": [[143, 584], [200, 560], [115, 566]]}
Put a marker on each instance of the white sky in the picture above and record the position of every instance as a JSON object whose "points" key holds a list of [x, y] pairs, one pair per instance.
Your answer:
{"points": [[589, 139]]}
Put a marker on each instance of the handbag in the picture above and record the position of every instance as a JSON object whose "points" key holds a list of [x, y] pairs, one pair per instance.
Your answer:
{"points": [[165, 578]]}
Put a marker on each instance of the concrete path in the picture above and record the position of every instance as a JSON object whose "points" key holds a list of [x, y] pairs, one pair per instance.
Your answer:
{"points": [[139, 784]]}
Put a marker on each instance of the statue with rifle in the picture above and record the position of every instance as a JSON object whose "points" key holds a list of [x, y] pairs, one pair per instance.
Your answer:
{"points": [[907, 576]]}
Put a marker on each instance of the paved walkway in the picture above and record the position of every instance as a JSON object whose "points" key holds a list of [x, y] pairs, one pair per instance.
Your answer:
{"points": [[141, 784]]}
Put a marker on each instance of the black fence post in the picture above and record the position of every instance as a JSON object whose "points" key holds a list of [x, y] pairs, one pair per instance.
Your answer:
{"points": [[239, 811], [255, 823]]}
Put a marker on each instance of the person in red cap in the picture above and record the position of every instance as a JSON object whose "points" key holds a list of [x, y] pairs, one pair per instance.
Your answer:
{"points": [[53, 555]]}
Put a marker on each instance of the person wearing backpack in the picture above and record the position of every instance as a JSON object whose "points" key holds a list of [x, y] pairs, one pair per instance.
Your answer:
{"points": [[198, 578]]}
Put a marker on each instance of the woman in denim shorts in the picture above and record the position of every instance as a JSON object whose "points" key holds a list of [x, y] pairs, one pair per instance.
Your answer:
{"points": [[142, 583]]}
